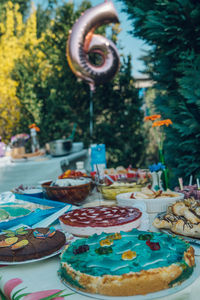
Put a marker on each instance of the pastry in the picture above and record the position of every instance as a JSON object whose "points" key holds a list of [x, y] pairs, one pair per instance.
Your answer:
{"points": [[183, 217]]}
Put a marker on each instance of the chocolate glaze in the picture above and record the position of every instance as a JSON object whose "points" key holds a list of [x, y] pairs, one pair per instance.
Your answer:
{"points": [[36, 247]]}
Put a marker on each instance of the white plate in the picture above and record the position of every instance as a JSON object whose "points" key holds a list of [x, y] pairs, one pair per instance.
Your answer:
{"points": [[11, 263], [154, 205], [151, 296]]}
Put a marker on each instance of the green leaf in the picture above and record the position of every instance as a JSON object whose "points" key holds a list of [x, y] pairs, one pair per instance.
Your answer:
{"points": [[2, 297], [21, 296], [14, 297], [55, 295]]}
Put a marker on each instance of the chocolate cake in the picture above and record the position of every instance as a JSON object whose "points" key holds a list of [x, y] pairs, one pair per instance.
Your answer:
{"points": [[27, 244]]}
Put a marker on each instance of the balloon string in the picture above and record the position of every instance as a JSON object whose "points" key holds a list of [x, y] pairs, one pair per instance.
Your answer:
{"points": [[92, 89], [91, 114]]}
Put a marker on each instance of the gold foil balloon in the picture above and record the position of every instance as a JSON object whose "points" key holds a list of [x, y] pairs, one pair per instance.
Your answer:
{"points": [[82, 42]]}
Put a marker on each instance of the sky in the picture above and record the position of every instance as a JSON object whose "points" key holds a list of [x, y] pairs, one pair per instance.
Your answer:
{"points": [[131, 45]]}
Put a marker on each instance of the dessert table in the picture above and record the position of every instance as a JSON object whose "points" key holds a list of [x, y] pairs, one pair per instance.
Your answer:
{"points": [[39, 279]]}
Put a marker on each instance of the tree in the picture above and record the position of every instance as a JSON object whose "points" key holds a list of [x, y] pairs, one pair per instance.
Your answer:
{"points": [[53, 97], [119, 117], [172, 30], [24, 7], [16, 37]]}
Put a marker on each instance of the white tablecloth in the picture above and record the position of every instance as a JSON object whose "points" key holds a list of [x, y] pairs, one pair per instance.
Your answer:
{"points": [[31, 172], [38, 280]]}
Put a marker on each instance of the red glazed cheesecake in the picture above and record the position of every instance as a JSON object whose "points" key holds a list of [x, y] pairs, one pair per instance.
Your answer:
{"points": [[91, 220]]}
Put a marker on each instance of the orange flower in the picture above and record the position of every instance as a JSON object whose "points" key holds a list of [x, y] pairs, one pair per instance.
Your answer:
{"points": [[152, 117], [166, 122], [34, 126]]}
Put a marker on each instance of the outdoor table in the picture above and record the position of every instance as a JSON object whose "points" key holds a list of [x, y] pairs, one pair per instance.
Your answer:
{"points": [[40, 279], [31, 172]]}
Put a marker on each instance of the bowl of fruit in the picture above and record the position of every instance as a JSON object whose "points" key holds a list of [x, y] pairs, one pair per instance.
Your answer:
{"points": [[77, 174]]}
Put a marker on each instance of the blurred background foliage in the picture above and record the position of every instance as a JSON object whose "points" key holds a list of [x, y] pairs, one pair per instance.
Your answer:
{"points": [[37, 85], [172, 29], [46, 92]]}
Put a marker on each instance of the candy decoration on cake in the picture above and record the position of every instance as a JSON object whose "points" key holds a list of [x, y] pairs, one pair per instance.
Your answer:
{"points": [[13, 243], [26, 247], [104, 250], [145, 237], [107, 242], [129, 255], [20, 245], [153, 246], [40, 235], [81, 249], [115, 236], [8, 242], [12, 233]]}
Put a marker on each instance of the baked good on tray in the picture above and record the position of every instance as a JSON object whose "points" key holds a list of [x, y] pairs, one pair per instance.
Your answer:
{"points": [[28, 244], [91, 220], [183, 217], [126, 263]]}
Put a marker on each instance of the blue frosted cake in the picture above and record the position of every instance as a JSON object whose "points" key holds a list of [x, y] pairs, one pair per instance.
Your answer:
{"points": [[126, 263]]}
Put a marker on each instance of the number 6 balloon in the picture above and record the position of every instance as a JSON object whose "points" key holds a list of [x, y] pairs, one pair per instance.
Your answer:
{"points": [[82, 42]]}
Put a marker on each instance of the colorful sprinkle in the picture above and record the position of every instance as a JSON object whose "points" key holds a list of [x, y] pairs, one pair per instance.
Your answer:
{"points": [[129, 255]]}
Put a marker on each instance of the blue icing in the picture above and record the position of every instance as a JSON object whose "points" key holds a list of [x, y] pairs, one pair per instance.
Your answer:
{"points": [[124, 247], [171, 251], [110, 264]]}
